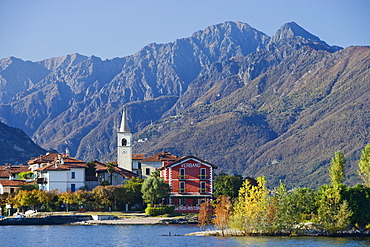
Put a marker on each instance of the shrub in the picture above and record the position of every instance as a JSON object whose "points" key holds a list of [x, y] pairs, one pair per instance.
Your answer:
{"points": [[160, 210]]}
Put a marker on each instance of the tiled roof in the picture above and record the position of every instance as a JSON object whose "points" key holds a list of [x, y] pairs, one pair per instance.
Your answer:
{"points": [[52, 158], [138, 156], [5, 171], [119, 170], [12, 183], [161, 156], [52, 167]]}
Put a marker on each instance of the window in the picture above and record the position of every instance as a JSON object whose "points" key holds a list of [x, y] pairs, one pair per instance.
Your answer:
{"points": [[124, 142], [182, 173], [202, 173], [139, 165], [182, 187], [182, 201], [203, 187], [73, 175], [73, 187], [147, 171]]}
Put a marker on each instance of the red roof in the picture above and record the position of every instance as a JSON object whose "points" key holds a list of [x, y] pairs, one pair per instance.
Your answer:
{"points": [[5, 171], [101, 168], [12, 183], [138, 156], [64, 161], [161, 156]]}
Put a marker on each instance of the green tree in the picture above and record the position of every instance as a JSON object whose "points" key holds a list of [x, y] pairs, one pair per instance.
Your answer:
{"points": [[227, 185], [336, 169], [364, 165], [358, 198], [133, 190], [110, 169], [154, 189], [251, 207]]}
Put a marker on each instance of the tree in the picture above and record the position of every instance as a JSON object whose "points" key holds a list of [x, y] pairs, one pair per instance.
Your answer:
{"points": [[251, 207], [334, 212], [68, 198], [84, 198], [336, 169], [24, 198], [227, 185], [205, 214], [110, 170], [364, 165], [154, 189], [25, 175], [103, 196], [358, 198], [223, 210], [133, 190]]}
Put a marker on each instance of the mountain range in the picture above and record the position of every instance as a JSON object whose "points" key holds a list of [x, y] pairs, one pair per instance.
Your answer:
{"points": [[251, 104]]}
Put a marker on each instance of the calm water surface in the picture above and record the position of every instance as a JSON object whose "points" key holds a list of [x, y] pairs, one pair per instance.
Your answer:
{"points": [[148, 235]]}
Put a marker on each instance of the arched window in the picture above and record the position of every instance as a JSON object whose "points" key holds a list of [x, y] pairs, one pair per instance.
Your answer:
{"points": [[124, 142]]}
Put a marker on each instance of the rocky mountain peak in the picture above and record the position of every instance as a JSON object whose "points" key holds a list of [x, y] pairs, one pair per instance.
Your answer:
{"points": [[290, 30]]}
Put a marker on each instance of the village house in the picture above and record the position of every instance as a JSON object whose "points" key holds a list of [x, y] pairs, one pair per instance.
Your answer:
{"points": [[60, 172], [10, 186], [10, 172], [191, 182], [119, 175]]}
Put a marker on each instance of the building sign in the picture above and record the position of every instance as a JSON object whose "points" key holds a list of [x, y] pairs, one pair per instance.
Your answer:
{"points": [[190, 165], [187, 209]]}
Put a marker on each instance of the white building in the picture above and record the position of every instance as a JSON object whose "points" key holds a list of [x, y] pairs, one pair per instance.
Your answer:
{"points": [[59, 172]]}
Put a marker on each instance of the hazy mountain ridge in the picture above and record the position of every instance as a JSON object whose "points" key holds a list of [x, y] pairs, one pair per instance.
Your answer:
{"points": [[229, 93]]}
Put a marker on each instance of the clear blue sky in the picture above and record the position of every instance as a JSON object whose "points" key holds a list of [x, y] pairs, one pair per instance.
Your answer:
{"points": [[39, 29]]}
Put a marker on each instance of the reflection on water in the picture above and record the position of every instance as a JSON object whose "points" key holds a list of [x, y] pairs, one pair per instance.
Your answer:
{"points": [[149, 235]]}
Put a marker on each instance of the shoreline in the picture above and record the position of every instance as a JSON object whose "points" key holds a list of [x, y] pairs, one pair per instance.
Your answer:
{"points": [[97, 219]]}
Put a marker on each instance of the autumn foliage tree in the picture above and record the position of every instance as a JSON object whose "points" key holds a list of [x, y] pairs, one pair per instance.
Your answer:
{"points": [[205, 214], [223, 210], [251, 207]]}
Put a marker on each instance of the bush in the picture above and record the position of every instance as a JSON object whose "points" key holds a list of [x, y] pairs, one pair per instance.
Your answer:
{"points": [[160, 210]]}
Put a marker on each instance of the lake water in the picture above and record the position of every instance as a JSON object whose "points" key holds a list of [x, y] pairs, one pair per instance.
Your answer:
{"points": [[148, 235]]}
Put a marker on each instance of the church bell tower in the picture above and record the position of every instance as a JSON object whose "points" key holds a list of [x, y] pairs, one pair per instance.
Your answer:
{"points": [[124, 149]]}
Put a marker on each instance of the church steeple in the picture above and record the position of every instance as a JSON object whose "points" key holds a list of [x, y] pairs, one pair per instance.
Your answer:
{"points": [[124, 141], [124, 126]]}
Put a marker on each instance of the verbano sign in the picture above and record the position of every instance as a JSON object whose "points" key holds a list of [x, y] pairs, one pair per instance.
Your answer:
{"points": [[190, 165]]}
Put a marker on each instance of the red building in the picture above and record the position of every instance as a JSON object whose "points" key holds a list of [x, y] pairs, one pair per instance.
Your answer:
{"points": [[191, 182]]}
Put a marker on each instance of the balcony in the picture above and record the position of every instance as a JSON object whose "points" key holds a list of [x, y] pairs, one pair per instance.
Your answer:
{"points": [[202, 177], [182, 177], [42, 181]]}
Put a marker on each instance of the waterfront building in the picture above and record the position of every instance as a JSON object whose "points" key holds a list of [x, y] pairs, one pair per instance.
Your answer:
{"points": [[191, 182], [60, 172]]}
